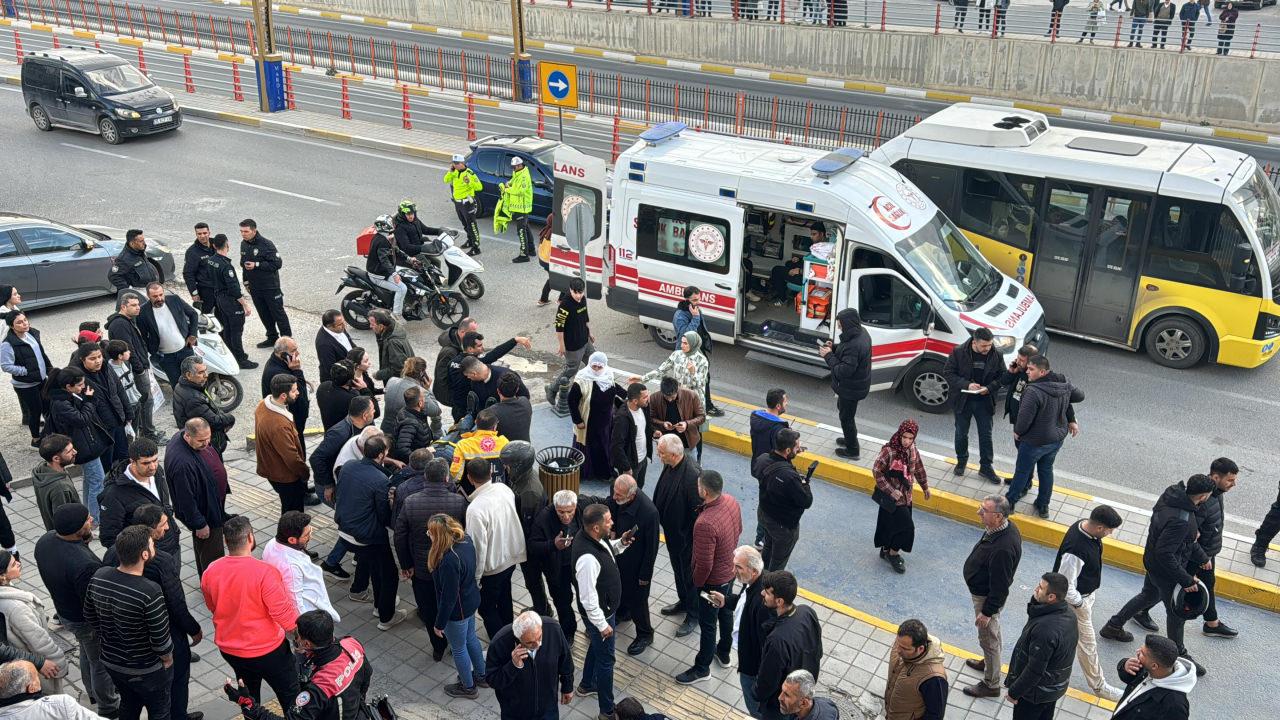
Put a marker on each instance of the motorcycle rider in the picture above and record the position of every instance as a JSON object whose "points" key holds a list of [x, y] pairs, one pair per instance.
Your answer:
{"points": [[517, 199], [334, 675], [229, 303], [413, 236], [464, 185], [384, 256]]}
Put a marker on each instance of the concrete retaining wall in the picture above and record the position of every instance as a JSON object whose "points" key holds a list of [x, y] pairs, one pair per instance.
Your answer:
{"points": [[1188, 87]]}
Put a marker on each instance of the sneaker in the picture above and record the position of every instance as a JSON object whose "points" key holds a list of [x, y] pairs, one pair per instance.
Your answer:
{"points": [[396, 618], [335, 570], [543, 303], [751, 307], [581, 691], [753, 297], [479, 681], [520, 259], [724, 659], [714, 411], [55, 623], [1109, 692], [269, 342], [960, 467], [456, 690], [1258, 555], [1221, 630], [989, 475], [1145, 622], [1201, 671], [693, 675], [364, 597], [1112, 632]]}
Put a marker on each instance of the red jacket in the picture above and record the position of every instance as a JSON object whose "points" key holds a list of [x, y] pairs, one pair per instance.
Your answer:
{"points": [[715, 536], [250, 605]]}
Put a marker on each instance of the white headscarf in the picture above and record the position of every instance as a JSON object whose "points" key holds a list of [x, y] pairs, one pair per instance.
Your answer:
{"points": [[603, 378]]}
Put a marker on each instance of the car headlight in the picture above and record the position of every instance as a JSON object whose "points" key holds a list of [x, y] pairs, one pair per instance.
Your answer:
{"points": [[128, 114], [1004, 344]]}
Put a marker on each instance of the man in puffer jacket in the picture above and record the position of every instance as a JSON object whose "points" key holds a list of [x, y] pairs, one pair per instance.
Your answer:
{"points": [[1041, 427], [850, 364], [413, 428], [1040, 668], [517, 460]]}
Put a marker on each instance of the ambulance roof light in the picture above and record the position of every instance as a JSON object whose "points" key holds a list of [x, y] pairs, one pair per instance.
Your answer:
{"points": [[835, 162], [662, 132]]}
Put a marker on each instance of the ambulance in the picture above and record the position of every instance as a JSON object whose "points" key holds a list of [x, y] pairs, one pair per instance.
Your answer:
{"points": [[779, 240]]}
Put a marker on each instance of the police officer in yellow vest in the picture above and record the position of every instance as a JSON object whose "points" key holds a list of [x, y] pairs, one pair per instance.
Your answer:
{"points": [[517, 199], [464, 184]]}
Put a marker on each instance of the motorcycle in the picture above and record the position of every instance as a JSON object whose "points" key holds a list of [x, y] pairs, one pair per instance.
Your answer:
{"points": [[426, 298], [223, 385], [454, 269]]}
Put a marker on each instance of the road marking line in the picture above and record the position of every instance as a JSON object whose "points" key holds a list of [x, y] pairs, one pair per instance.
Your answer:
{"points": [[100, 152], [282, 192]]}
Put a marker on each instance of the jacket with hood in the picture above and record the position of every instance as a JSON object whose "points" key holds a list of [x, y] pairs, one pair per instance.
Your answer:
{"points": [[916, 687], [123, 328], [53, 488], [191, 400], [764, 428], [690, 369], [76, 417], [450, 347], [45, 707], [517, 459], [1171, 537], [26, 627], [412, 431], [784, 492], [793, 642], [1040, 668], [1042, 414], [684, 321], [1210, 516], [960, 370], [850, 359], [393, 350], [1148, 698], [122, 495], [108, 395]]}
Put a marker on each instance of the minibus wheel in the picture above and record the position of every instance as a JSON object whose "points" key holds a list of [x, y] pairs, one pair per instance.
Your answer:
{"points": [[1177, 342]]}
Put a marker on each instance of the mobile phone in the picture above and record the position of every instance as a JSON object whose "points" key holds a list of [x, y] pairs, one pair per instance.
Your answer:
{"points": [[706, 596]]}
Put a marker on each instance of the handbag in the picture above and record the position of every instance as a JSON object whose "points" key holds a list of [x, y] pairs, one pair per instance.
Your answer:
{"points": [[884, 499]]}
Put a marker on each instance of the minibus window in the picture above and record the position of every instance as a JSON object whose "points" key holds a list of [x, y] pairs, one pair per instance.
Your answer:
{"points": [[1193, 242], [1262, 211], [949, 264], [938, 182]]}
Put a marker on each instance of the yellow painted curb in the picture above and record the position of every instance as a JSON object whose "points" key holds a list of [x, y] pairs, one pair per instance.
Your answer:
{"points": [[651, 60], [427, 153], [860, 86], [1136, 121], [328, 135], [471, 35], [718, 69], [634, 127], [788, 78], [5, 22], [292, 68], [432, 29], [947, 96], [41, 27], [178, 50], [131, 42], [12, 80], [350, 78], [416, 90], [230, 57], [1240, 135], [485, 102], [239, 119], [87, 35], [330, 15], [1036, 107], [292, 10], [380, 22], [592, 52], [1120, 554]]}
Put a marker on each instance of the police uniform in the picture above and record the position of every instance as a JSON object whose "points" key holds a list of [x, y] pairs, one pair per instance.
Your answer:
{"points": [[334, 679], [225, 297], [132, 269], [263, 282], [195, 274], [463, 185], [517, 199]]}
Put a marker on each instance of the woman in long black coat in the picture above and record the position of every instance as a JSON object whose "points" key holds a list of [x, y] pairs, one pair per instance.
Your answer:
{"points": [[592, 397]]}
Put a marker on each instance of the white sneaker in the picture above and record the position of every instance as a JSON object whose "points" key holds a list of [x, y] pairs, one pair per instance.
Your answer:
{"points": [[1110, 692], [753, 297], [396, 619], [751, 307]]}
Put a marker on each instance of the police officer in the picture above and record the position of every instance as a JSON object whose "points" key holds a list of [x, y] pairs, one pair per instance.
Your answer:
{"points": [[464, 185], [517, 199], [334, 676], [132, 268], [194, 273], [262, 263], [412, 235], [229, 304]]}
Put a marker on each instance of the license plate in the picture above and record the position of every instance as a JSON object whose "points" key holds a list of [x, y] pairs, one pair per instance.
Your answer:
{"points": [[162, 120]]}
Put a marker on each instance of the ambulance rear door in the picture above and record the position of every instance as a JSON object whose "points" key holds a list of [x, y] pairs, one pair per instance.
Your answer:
{"points": [[579, 179]]}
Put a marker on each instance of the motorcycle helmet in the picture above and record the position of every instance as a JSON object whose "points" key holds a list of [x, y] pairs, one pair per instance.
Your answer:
{"points": [[385, 223], [407, 207], [1191, 605]]}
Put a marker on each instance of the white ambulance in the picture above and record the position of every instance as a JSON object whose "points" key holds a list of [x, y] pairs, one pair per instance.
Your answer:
{"points": [[780, 239]]}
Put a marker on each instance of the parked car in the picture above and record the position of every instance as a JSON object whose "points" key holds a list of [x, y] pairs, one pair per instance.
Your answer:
{"points": [[91, 90], [490, 159], [1245, 4], [52, 263]]}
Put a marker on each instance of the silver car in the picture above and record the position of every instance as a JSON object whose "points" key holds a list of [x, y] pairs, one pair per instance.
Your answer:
{"points": [[51, 263]]}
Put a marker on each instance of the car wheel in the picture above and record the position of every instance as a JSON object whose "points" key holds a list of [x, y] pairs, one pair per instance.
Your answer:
{"points": [[1177, 342], [928, 387], [109, 131], [664, 338], [41, 119]]}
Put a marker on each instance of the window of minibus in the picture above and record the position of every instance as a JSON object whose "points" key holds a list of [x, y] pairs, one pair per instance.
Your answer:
{"points": [[1000, 206], [1194, 242], [1262, 210], [663, 234], [949, 264], [938, 182]]}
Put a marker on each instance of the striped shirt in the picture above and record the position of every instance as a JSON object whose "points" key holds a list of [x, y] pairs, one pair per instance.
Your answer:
{"points": [[130, 617]]}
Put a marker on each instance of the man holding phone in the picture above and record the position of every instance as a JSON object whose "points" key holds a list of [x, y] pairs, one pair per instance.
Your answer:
{"points": [[550, 541], [715, 537], [595, 565]]}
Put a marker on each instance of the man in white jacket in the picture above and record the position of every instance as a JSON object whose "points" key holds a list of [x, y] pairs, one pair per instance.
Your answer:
{"points": [[287, 552], [21, 699], [494, 527]]}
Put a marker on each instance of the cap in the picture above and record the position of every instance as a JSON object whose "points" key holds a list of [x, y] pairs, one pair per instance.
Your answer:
{"points": [[69, 518], [459, 158], [517, 160]]}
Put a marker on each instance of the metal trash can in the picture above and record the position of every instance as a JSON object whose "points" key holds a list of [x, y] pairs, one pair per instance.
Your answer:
{"points": [[560, 468]]}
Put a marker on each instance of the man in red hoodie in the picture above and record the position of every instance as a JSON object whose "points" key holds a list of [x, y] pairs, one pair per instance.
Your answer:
{"points": [[252, 610], [715, 537]]}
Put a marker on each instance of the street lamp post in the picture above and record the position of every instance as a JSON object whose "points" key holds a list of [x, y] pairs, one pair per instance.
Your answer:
{"points": [[267, 62], [522, 83]]}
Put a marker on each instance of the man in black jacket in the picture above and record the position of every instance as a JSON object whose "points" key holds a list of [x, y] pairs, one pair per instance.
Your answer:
{"points": [[382, 261], [483, 382], [549, 543], [850, 364], [988, 573], [529, 665], [1157, 683], [784, 496], [1171, 547], [1043, 424], [748, 569], [287, 360], [1211, 516], [261, 264], [413, 427], [793, 641], [765, 424], [631, 436], [228, 302], [1265, 533], [333, 342], [513, 410], [633, 510], [974, 370], [1040, 668], [676, 497], [131, 485], [123, 325], [450, 342], [169, 326], [411, 234], [132, 268], [190, 400], [359, 414], [195, 274], [472, 344], [199, 493]]}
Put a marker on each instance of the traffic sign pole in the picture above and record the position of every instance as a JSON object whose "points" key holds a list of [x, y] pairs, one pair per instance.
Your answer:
{"points": [[560, 113]]}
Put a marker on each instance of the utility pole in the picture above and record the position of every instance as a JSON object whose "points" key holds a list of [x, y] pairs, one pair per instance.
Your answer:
{"points": [[522, 83], [267, 62]]}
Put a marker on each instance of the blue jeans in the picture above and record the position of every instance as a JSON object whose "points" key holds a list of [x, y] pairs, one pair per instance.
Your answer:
{"points": [[597, 669], [93, 477], [398, 290], [1037, 457], [977, 409], [1135, 29], [748, 683], [468, 657]]}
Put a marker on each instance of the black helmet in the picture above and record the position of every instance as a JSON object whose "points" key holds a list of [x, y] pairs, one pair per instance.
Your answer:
{"points": [[1192, 605], [518, 457]]}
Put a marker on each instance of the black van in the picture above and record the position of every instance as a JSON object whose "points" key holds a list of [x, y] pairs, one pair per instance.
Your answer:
{"points": [[88, 89]]}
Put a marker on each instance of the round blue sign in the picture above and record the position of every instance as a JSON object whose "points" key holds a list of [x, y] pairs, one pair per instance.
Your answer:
{"points": [[558, 84]]}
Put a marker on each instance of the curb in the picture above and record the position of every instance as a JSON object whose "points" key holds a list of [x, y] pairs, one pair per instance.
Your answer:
{"points": [[957, 507], [1202, 131]]}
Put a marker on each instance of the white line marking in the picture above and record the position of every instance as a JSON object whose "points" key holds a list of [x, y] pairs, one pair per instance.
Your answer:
{"points": [[100, 152], [339, 148], [283, 192], [10, 89]]}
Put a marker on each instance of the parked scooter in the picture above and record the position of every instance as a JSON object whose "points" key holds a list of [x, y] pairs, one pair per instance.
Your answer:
{"points": [[425, 298], [223, 385], [453, 268]]}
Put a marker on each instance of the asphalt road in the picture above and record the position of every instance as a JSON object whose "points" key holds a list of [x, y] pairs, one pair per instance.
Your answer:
{"points": [[1143, 426]]}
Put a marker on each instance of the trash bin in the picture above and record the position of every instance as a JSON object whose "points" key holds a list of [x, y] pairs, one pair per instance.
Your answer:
{"points": [[560, 468]]}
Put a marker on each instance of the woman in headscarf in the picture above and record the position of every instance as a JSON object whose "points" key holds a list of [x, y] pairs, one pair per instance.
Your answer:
{"points": [[591, 400], [686, 364], [897, 469]]}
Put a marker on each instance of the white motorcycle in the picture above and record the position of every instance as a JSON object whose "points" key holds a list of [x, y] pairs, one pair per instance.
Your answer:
{"points": [[223, 385], [453, 270]]}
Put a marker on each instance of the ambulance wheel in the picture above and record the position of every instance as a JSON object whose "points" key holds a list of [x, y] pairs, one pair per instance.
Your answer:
{"points": [[665, 338], [928, 387]]}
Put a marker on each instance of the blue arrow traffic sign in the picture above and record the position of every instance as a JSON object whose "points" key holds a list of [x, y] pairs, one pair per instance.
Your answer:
{"points": [[558, 84]]}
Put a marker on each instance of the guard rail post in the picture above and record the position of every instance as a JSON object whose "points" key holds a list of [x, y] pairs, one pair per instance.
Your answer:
{"points": [[395, 62], [541, 119], [373, 58], [404, 105], [346, 99], [1253, 51], [17, 45], [884, 12], [417, 63], [196, 29], [288, 90], [56, 44], [440, 65], [617, 138], [1119, 23], [995, 20], [237, 90], [164, 29], [187, 80], [142, 62], [462, 63], [937, 19], [739, 120], [471, 118], [115, 21]]}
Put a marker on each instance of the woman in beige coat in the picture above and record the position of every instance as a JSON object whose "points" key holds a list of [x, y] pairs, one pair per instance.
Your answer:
{"points": [[26, 624]]}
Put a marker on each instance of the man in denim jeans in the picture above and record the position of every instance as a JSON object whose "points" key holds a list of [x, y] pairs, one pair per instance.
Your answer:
{"points": [[1040, 429], [1141, 11], [595, 567]]}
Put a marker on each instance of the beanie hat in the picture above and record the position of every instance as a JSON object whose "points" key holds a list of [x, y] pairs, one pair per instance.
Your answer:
{"points": [[69, 518]]}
